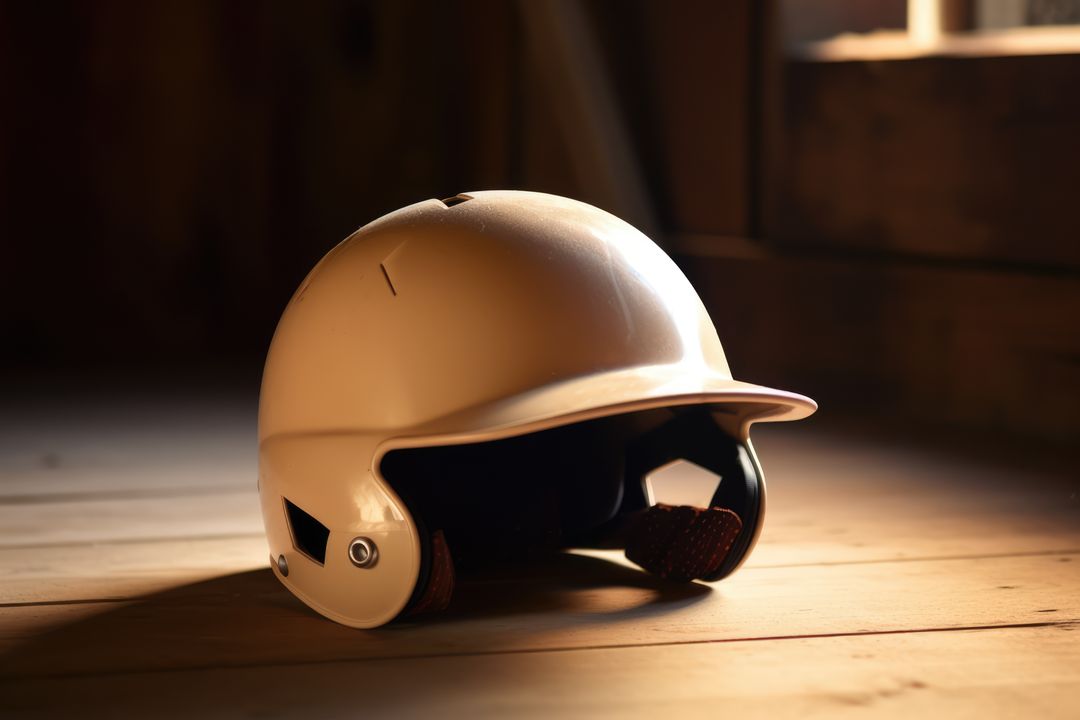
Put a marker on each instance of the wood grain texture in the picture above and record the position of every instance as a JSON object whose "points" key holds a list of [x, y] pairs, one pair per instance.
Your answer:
{"points": [[49, 450], [207, 514], [573, 602], [976, 673], [704, 136], [931, 345], [971, 159], [895, 575]]}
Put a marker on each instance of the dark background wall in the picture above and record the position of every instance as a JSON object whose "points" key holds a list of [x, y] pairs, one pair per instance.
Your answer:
{"points": [[897, 238]]}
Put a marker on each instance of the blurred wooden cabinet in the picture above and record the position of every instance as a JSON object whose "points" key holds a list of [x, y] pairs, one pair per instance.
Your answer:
{"points": [[895, 237], [918, 253]]}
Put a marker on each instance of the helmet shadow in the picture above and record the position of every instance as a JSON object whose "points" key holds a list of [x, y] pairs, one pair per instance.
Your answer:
{"points": [[248, 622]]}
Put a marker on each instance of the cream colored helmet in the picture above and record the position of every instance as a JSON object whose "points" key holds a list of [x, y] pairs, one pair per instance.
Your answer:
{"points": [[492, 371]]}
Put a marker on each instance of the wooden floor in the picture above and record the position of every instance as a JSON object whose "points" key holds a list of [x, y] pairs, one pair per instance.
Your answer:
{"points": [[894, 578]]}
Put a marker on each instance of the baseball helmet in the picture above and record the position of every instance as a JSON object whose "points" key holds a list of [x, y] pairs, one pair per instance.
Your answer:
{"points": [[487, 376]]}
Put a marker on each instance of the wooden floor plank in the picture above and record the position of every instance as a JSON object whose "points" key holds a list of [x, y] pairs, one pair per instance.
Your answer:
{"points": [[836, 496], [58, 445], [74, 522], [861, 529], [133, 557], [576, 601], [85, 571], [998, 673], [829, 501]]}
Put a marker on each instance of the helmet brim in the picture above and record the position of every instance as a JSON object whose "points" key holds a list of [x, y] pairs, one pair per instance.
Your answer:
{"points": [[605, 394]]}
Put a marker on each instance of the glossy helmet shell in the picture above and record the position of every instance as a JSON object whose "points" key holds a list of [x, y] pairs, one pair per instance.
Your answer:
{"points": [[488, 316]]}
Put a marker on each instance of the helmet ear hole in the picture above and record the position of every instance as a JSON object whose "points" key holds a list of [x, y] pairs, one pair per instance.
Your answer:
{"points": [[694, 436], [682, 482]]}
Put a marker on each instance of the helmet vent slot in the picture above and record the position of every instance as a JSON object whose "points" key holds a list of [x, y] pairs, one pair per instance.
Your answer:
{"points": [[456, 200], [681, 482], [386, 275], [309, 536]]}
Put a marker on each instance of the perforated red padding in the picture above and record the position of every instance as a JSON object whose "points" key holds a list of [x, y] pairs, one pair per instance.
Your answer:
{"points": [[682, 543], [440, 587]]}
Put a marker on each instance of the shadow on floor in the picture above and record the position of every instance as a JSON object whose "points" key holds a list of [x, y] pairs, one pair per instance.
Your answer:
{"points": [[248, 622]]}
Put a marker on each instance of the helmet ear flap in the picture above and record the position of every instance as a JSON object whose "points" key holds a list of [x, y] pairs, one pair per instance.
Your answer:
{"points": [[437, 575], [435, 585], [685, 543]]}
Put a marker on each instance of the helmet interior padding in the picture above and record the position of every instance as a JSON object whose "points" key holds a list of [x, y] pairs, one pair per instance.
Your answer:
{"points": [[579, 485]]}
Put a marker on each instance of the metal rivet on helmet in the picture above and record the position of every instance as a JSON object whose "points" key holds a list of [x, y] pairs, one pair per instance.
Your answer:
{"points": [[363, 552]]}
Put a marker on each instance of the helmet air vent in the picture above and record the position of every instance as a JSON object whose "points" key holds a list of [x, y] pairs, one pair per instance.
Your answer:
{"points": [[309, 536], [386, 276], [456, 200]]}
